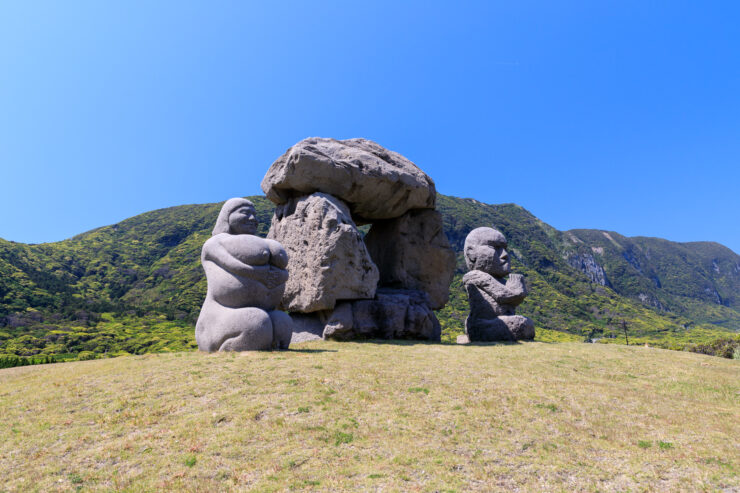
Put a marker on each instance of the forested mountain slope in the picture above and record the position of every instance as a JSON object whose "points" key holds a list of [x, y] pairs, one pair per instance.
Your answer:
{"points": [[137, 286], [700, 279]]}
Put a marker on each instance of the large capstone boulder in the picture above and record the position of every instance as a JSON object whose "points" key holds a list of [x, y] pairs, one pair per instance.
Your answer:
{"points": [[412, 252], [376, 183], [328, 260]]}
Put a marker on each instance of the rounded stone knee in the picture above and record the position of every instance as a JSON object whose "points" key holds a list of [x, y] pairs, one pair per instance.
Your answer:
{"points": [[234, 329], [252, 331], [282, 329], [521, 327], [487, 330]]}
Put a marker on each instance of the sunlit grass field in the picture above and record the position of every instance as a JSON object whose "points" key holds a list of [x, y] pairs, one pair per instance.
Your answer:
{"points": [[376, 416]]}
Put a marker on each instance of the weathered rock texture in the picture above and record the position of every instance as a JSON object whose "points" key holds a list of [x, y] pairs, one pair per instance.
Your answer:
{"points": [[246, 280], [323, 188], [306, 327], [376, 183], [493, 299], [412, 252], [392, 314], [340, 322], [328, 259], [395, 314]]}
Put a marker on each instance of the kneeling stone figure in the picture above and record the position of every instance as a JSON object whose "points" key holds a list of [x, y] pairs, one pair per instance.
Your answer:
{"points": [[493, 299], [246, 279]]}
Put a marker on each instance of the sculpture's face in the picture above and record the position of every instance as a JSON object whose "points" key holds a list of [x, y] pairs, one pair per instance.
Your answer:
{"points": [[243, 221], [492, 258], [485, 250]]}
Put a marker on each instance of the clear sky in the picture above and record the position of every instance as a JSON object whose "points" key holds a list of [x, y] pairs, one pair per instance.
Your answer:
{"points": [[618, 115]]}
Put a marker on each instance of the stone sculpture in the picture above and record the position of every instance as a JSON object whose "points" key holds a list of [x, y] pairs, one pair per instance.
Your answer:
{"points": [[246, 278], [493, 299], [342, 286]]}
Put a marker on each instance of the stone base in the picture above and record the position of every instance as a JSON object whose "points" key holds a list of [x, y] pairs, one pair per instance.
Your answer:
{"points": [[501, 328], [463, 339], [392, 314], [306, 327]]}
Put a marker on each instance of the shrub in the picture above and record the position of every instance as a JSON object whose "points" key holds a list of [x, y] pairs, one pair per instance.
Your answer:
{"points": [[725, 347], [86, 355]]}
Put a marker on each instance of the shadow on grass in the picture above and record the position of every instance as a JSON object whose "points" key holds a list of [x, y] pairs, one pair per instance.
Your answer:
{"points": [[291, 350], [411, 342], [495, 343]]}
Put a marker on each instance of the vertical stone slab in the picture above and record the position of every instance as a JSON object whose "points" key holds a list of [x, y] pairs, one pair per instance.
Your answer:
{"points": [[412, 252], [328, 260]]}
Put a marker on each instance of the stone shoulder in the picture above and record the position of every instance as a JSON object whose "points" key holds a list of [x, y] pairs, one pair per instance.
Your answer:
{"points": [[476, 277]]}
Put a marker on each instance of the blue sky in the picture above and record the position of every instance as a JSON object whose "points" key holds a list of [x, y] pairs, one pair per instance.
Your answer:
{"points": [[617, 115]]}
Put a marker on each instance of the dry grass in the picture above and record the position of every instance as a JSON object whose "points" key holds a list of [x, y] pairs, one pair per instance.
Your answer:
{"points": [[365, 416]]}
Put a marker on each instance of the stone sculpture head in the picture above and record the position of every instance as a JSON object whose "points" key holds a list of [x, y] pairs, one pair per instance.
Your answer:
{"points": [[237, 217], [485, 250]]}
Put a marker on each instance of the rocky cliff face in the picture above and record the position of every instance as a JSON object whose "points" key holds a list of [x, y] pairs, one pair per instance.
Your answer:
{"points": [[587, 264], [659, 273]]}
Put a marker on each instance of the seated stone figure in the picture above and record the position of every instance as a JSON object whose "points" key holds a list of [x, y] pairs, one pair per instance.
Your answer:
{"points": [[493, 299], [246, 279]]}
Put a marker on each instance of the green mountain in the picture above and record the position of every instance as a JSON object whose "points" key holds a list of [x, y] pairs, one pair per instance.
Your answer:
{"points": [[137, 286], [700, 280]]}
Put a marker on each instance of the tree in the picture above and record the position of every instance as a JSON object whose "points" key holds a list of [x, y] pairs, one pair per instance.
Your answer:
{"points": [[624, 329]]}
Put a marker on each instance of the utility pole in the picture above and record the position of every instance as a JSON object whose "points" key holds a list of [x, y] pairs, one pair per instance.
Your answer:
{"points": [[624, 328]]}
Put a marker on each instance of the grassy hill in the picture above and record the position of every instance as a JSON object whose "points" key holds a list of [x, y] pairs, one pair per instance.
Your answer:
{"points": [[525, 417], [137, 286]]}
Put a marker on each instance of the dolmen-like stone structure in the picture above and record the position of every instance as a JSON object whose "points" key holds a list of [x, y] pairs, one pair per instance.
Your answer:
{"points": [[343, 285], [246, 280], [493, 299]]}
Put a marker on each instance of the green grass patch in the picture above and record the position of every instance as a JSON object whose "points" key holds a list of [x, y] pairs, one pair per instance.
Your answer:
{"points": [[528, 417], [341, 437]]}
